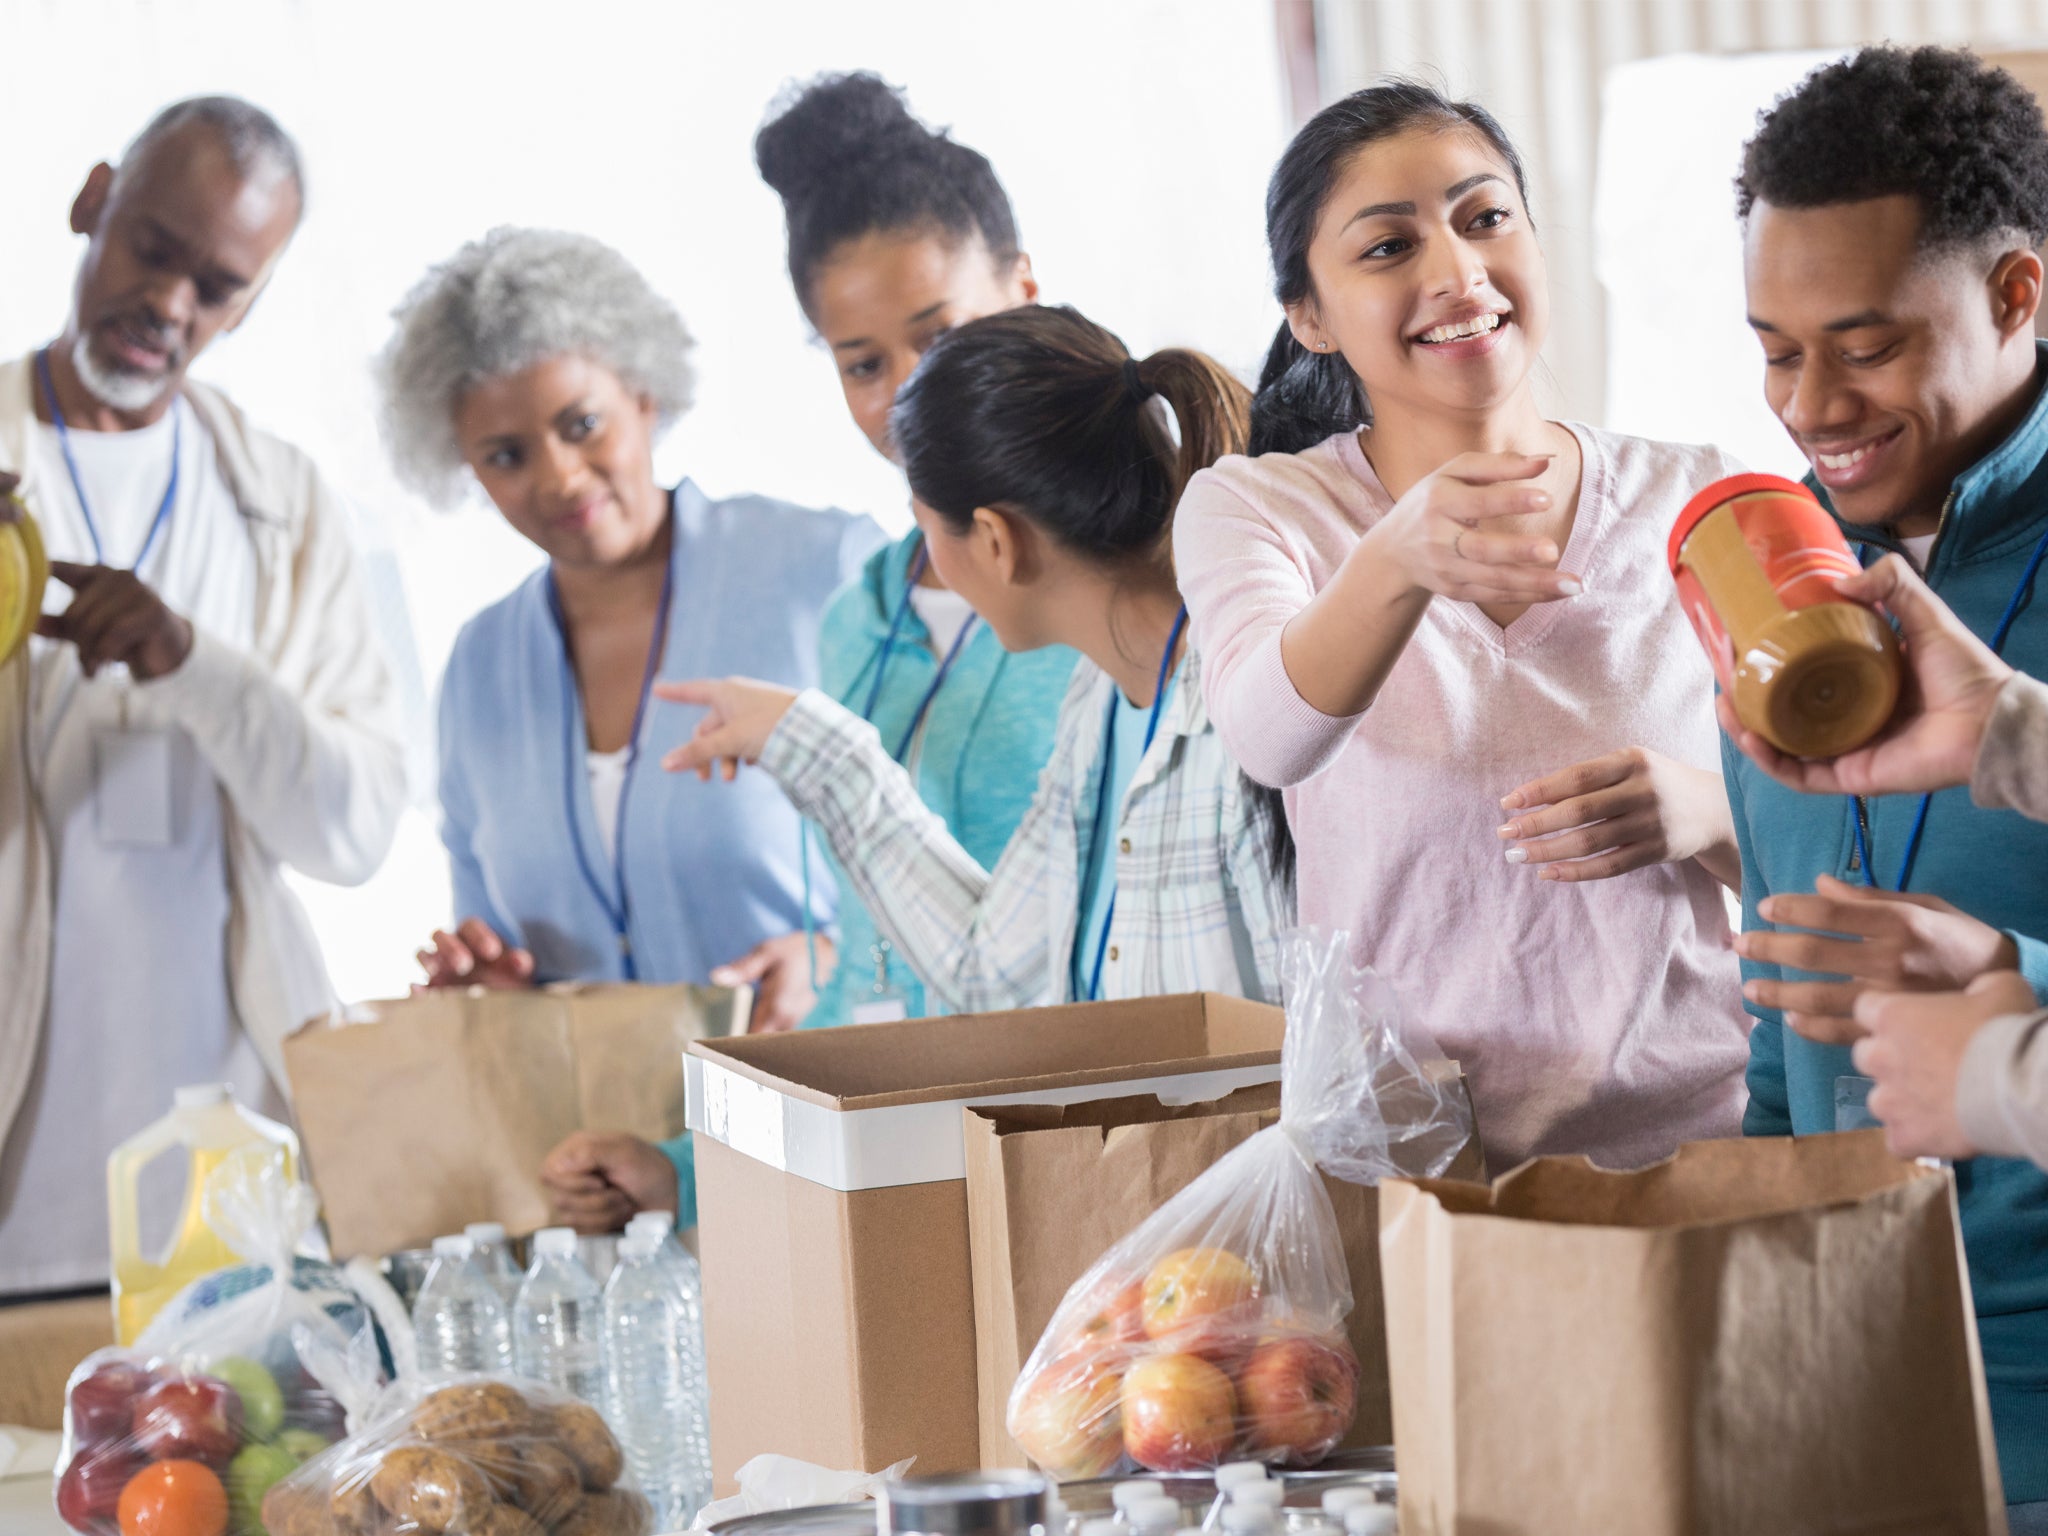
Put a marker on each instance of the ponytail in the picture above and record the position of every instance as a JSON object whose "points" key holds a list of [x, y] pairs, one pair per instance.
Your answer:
{"points": [[1304, 397], [1212, 409], [1043, 412]]}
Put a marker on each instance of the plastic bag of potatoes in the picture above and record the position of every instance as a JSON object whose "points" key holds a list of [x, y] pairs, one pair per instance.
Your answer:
{"points": [[475, 1456]]}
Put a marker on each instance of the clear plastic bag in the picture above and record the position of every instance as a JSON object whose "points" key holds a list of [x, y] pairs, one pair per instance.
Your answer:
{"points": [[477, 1456], [1215, 1330], [244, 1376]]}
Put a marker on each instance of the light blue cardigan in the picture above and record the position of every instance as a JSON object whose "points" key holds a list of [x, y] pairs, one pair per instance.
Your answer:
{"points": [[711, 869]]}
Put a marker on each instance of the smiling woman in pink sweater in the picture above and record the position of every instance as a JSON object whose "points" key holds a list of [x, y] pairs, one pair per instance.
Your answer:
{"points": [[1442, 623]]}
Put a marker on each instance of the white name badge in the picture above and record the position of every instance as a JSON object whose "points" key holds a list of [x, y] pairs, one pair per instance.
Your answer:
{"points": [[131, 785]]}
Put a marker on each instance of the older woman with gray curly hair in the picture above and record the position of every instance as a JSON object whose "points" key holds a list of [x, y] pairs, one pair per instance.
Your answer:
{"points": [[541, 366]]}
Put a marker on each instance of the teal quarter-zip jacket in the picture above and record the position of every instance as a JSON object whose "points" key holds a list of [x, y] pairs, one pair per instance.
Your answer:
{"points": [[1992, 864]]}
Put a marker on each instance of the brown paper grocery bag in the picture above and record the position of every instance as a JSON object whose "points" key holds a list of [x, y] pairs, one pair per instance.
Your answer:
{"points": [[1049, 1189], [422, 1115], [1754, 1337]]}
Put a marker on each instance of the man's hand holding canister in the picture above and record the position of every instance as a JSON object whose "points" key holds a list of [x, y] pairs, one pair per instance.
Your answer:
{"points": [[115, 617]]}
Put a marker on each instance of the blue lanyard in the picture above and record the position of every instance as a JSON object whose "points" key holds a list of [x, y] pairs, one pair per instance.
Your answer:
{"points": [[880, 662], [163, 511], [2012, 609], [1102, 789], [938, 681], [618, 913]]}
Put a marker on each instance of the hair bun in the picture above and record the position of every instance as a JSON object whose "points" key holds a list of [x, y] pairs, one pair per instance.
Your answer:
{"points": [[816, 131]]}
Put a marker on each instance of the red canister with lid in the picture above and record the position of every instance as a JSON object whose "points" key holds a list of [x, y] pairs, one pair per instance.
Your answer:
{"points": [[1756, 559]]}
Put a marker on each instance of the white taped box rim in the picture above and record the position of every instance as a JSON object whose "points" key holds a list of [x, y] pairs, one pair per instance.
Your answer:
{"points": [[877, 1106]]}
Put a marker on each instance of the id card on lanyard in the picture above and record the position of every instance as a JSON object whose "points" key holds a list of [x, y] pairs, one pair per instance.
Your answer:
{"points": [[131, 768], [616, 903], [884, 1003]]}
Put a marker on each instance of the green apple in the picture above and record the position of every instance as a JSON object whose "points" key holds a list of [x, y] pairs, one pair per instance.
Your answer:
{"points": [[304, 1444], [262, 1401], [250, 1476]]}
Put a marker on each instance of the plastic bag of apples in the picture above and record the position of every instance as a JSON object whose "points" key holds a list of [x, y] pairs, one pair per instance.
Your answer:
{"points": [[243, 1376], [1214, 1331]]}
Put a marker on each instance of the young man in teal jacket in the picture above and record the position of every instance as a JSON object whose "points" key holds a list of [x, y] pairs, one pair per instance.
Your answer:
{"points": [[1892, 206]]}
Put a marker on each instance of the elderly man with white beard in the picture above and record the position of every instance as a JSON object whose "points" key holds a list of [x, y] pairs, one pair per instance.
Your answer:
{"points": [[203, 704]]}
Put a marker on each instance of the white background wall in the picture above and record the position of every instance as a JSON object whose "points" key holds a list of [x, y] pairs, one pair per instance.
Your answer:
{"points": [[1135, 137], [1544, 67]]}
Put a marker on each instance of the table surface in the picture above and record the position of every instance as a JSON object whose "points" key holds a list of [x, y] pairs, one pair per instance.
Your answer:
{"points": [[26, 1508]]}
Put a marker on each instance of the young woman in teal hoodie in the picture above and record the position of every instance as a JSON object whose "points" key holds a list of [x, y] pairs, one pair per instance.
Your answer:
{"points": [[897, 235]]}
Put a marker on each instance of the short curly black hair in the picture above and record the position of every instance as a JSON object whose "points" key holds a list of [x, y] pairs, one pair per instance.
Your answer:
{"points": [[1940, 124]]}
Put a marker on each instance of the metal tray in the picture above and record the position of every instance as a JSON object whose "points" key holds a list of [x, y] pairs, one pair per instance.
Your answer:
{"points": [[1371, 1468]]}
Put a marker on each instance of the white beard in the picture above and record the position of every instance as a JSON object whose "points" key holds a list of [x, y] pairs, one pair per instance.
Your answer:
{"points": [[122, 391]]}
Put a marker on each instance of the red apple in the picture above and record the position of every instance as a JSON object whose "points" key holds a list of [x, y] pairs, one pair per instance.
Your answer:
{"points": [[1297, 1393], [1069, 1419], [1115, 1316], [89, 1492], [103, 1405], [1180, 1414], [194, 1419], [1206, 1289]]}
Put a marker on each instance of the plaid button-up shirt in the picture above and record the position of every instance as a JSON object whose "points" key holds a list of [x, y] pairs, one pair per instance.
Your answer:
{"points": [[1199, 906]]}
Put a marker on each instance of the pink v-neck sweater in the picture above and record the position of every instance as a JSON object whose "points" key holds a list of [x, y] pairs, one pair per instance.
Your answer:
{"points": [[1604, 1018]]}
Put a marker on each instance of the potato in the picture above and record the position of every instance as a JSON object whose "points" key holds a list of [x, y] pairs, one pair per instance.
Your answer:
{"points": [[353, 1506], [621, 1512], [547, 1483], [476, 1410], [583, 1433], [290, 1510], [504, 1520], [433, 1489]]}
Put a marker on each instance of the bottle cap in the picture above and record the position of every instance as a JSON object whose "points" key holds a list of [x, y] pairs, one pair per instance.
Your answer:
{"points": [[1159, 1514], [1338, 1500], [1125, 1494], [455, 1247], [199, 1096], [1101, 1528], [1370, 1520], [639, 1245], [1249, 1518], [661, 1223], [481, 1232], [1231, 1473], [555, 1242], [1263, 1495]]}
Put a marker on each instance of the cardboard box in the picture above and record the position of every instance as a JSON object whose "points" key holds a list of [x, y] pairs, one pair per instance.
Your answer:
{"points": [[1049, 1190], [476, 1087], [1757, 1335], [832, 1201]]}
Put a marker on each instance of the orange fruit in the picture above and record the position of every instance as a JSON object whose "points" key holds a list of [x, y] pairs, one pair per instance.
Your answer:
{"points": [[174, 1498]]}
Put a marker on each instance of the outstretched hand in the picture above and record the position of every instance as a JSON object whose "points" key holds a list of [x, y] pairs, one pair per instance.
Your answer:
{"points": [[740, 715], [1438, 533]]}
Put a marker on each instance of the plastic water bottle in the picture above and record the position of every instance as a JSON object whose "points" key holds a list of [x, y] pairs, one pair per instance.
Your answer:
{"points": [[651, 1398], [492, 1255], [558, 1320], [458, 1321], [680, 1266]]}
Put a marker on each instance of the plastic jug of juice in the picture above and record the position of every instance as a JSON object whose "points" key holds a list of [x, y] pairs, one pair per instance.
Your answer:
{"points": [[206, 1124]]}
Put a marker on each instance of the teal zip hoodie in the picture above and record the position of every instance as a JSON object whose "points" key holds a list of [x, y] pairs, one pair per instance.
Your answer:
{"points": [[987, 734], [1991, 864]]}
